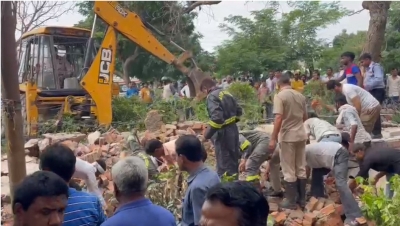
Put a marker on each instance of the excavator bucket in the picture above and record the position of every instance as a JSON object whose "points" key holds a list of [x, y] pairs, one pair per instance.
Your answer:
{"points": [[195, 78], [195, 75]]}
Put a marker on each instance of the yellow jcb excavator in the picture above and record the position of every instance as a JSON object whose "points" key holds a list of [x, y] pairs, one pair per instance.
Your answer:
{"points": [[61, 71]]}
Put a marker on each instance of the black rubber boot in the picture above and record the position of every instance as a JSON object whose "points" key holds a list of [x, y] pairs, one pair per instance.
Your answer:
{"points": [[290, 196], [301, 189]]}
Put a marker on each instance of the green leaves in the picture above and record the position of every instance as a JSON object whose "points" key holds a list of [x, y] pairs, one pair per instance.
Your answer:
{"points": [[377, 207], [274, 41]]}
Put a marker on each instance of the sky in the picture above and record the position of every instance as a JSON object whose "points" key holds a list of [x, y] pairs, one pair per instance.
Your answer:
{"points": [[211, 16]]}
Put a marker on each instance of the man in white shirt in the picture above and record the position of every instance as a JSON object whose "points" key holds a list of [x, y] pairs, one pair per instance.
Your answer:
{"points": [[325, 157], [322, 130], [269, 82], [368, 108], [168, 90], [393, 86], [185, 92], [89, 172]]}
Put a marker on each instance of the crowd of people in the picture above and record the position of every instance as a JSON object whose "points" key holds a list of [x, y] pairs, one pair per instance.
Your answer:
{"points": [[49, 196]]}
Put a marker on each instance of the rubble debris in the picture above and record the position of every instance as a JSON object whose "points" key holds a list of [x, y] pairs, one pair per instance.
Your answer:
{"points": [[153, 121], [112, 146]]}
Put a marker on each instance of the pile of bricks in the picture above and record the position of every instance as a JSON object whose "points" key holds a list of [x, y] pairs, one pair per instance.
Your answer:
{"points": [[113, 145], [318, 212]]}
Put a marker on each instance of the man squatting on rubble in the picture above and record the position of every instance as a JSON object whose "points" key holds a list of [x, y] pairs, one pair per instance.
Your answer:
{"points": [[290, 113], [254, 147], [332, 158], [83, 208], [165, 154], [385, 160], [89, 172], [350, 122], [224, 112]]}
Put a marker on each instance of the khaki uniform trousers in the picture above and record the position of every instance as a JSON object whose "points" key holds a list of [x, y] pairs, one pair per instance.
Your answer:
{"points": [[369, 118], [293, 160]]}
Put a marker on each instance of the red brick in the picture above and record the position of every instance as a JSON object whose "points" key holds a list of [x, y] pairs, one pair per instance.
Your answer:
{"points": [[274, 214], [320, 204], [335, 197], [307, 223], [169, 132], [281, 217], [328, 210], [339, 209], [91, 157], [331, 220], [311, 204], [291, 222], [197, 126], [329, 202], [310, 217], [299, 221], [296, 214]]}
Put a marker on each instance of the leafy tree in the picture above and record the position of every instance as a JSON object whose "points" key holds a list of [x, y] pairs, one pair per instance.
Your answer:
{"points": [[270, 42], [391, 53], [300, 26], [330, 56], [355, 43]]}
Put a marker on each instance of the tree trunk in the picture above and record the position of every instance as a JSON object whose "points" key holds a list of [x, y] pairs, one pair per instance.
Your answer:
{"points": [[11, 98], [378, 11]]}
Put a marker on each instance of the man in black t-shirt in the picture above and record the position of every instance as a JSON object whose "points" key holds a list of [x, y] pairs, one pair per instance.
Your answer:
{"points": [[384, 160]]}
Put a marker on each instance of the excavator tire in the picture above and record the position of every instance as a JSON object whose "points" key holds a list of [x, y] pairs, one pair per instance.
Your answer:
{"points": [[196, 77]]}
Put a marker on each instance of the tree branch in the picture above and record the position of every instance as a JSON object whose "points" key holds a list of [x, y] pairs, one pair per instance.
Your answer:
{"points": [[196, 4], [355, 12], [34, 14]]}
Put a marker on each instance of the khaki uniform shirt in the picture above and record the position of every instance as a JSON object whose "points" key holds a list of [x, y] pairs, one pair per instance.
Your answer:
{"points": [[292, 106]]}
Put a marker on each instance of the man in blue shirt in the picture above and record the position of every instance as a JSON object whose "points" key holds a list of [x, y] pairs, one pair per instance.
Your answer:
{"points": [[374, 82], [130, 179], [351, 71], [234, 203], [40, 200], [83, 208], [133, 90], [189, 153]]}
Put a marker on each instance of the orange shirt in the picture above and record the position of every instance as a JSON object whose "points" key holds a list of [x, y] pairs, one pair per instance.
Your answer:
{"points": [[298, 85], [145, 95]]}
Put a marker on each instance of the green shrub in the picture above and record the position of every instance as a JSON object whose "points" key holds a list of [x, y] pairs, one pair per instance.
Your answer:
{"points": [[379, 208], [248, 100]]}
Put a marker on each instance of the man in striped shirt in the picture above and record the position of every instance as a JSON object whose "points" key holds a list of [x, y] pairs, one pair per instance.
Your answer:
{"points": [[83, 208]]}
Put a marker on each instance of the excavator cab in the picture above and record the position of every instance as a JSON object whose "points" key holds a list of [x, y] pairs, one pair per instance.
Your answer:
{"points": [[51, 61], [50, 56]]}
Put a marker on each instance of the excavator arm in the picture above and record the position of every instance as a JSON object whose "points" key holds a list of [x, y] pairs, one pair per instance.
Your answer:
{"points": [[98, 80], [130, 25]]}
